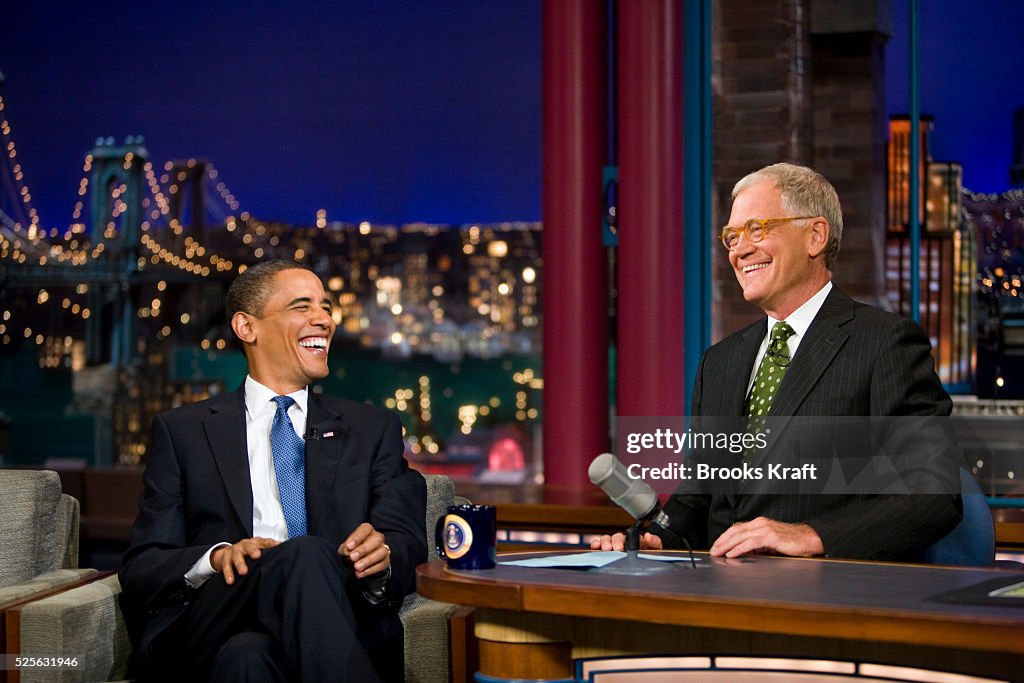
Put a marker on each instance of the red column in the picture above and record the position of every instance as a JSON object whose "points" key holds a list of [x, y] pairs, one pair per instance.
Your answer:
{"points": [[650, 134], [575, 318]]}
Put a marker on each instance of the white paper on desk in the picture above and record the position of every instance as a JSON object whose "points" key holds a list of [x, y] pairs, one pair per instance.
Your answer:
{"points": [[595, 558]]}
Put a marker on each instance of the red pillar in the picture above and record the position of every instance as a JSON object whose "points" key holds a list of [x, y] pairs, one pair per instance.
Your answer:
{"points": [[650, 134], [575, 281]]}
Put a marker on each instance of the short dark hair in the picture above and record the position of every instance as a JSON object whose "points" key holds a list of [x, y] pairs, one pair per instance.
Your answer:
{"points": [[252, 288]]}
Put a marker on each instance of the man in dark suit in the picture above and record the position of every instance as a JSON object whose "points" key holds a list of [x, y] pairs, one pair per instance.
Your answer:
{"points": [[279, 528], [817, 353]]}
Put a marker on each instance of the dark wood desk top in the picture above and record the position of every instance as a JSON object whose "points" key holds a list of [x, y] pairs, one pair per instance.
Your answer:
{"points": [[855, 600], [587, 509]]}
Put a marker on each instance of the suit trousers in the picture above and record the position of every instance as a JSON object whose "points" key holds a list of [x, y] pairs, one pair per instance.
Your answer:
{"points": [[289, 618]]}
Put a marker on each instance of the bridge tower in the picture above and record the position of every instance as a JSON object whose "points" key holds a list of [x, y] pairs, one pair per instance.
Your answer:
{"points": [[187, 188], [116, 216], [117, 189]]}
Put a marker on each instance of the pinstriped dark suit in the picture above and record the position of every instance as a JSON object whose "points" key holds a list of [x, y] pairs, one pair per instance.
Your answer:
{"points": [[855, 360]]}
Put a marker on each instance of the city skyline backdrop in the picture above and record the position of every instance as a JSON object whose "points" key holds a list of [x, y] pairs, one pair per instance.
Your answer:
{"points": [[392, 112]]}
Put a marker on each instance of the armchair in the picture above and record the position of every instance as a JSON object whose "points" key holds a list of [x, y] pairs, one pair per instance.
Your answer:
{"points": [[38, 535], [38, 549], [86, 621]]}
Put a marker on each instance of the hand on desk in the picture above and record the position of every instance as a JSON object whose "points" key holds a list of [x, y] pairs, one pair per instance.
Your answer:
{"points": [[366, 551], [763, 534], [230, 559], [618, 542]]}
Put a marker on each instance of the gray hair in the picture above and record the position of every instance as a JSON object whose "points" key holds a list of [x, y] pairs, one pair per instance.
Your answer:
{"points": [[805, 192]]}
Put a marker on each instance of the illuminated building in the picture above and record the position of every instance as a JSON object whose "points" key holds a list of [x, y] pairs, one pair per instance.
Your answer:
{"points": [[948, 253], [998, 220], [126, 305]]}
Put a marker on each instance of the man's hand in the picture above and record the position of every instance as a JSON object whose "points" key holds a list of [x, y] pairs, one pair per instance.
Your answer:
{"points": [[230, 559], [767, 535], [618, 542], [366, 551]]}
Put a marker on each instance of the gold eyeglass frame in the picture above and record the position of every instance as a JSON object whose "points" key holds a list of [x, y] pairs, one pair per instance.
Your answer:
{"points": [[763, 223]]}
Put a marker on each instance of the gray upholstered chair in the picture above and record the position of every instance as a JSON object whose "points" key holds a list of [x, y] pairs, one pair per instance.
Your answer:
{"points": [[38, 558], [86, 621], [38, 535], [426, 621]]}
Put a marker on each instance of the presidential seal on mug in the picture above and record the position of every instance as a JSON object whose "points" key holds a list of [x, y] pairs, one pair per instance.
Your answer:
{"points": [[458, 537], [466, 536]]}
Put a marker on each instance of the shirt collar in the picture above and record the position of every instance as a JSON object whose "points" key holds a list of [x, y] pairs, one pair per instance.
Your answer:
{"points": [[801, 318], [258, 397]]}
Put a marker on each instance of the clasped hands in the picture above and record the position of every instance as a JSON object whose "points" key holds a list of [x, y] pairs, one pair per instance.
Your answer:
{"points": [[757, 535], [364, 551]]}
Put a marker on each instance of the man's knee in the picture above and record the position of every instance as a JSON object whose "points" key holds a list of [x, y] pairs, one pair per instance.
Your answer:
{"points": [[303, 546], [304, 552], [249, 656]]}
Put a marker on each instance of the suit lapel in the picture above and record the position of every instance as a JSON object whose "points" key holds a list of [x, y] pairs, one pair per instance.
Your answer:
{"points": [[738, 363], [225, 432], [817, 350], [327, 437], [824, 338]]}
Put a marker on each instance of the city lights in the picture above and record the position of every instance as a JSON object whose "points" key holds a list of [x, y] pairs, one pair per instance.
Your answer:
{"points": [[145, 278]]}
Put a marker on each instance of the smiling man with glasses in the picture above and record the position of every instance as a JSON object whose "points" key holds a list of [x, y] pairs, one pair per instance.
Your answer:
{"points": [[816, 353]]}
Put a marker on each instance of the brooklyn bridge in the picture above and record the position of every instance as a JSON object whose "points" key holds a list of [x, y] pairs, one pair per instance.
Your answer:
{"points": [[127, 298]]}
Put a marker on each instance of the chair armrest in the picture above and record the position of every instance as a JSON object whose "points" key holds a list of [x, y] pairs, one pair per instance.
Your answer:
{"points": [[84, 622], [426, 639], [42, 585]]}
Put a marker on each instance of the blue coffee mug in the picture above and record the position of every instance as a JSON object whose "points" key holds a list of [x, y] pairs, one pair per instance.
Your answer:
{"points": [[466, 536]]}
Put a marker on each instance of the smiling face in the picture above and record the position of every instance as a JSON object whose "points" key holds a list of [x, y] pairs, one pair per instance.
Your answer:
{"points": [[287, 345], [786, 268]]}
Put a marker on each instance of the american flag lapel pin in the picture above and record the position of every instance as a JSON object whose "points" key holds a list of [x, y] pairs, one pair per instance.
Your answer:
{"points": [[328, 435]]}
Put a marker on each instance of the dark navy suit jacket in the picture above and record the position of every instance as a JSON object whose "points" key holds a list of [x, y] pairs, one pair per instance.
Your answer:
{"points": [[198, 493]]}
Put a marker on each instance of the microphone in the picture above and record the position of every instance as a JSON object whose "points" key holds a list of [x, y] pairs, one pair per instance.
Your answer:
{"points": [[641, 502], [312, 434], [632, 495]]}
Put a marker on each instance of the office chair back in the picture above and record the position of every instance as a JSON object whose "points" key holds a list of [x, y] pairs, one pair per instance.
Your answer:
{"points": [[972, 542]]}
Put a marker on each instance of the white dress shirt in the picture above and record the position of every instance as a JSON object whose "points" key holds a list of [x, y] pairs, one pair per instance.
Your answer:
{"points": [[260, 408], [799, 320], [267, 513]]}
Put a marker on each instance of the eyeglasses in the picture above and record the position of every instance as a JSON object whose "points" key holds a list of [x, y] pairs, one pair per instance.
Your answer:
{"points": [[755, 229]]}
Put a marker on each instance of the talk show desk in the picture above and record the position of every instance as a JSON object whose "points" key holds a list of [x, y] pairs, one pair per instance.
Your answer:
{"points": [[575, 512], [531, 623]]}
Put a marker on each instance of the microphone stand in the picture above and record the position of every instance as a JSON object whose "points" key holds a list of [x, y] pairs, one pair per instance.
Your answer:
{"points": [[632, 564]]}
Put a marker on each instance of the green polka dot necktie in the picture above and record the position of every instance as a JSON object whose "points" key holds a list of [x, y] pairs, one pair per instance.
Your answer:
{"points": [[770, 372]]}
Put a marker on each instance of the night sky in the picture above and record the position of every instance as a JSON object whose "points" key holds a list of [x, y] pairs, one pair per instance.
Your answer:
{"points": [[388, 111], [381, 111], [972, 80]]}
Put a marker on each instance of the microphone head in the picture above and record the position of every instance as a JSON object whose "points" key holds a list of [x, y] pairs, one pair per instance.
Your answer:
{"points": [[632, 495], [601, 468]]}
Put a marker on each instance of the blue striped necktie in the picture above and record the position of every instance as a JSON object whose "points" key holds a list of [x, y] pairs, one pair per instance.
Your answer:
{"points": [[289, 452]]}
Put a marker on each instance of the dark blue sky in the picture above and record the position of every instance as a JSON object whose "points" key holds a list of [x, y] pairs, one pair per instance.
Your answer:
{"points": [[972, 80], [390, 111], [381, 111]]}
